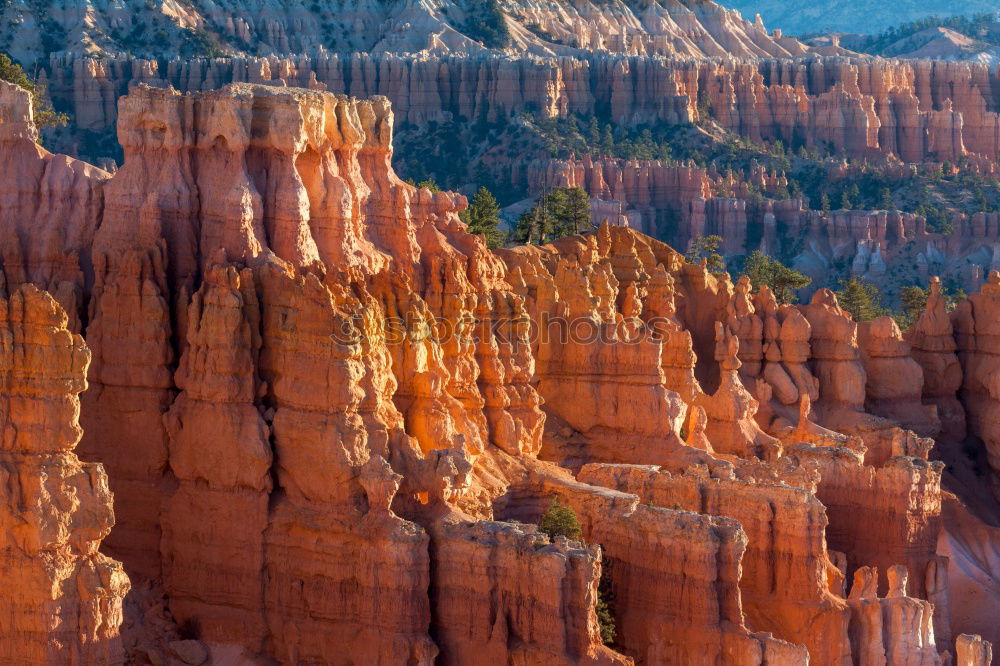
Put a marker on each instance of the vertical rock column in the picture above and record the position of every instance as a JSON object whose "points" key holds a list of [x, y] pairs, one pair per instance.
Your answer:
{"points": [[977, 323], [932, 345], [213, 524], [131, 388], [345, 579], [62, 600], [836, 361], [894, 380]]}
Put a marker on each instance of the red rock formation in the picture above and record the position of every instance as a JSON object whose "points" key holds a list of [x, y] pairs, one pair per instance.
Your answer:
{"points": [[227, 482], [894, 629], [53, 204], [788, 580], [64, 597], [977, 328], [656, 554], [836, 360], [932, 345], [498, 586], [639, 194], [879, 516], [894, 386], [972, 651], [315, 392]]}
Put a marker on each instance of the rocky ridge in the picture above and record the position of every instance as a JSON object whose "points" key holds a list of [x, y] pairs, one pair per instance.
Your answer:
{"points": [[197, 28], [321, 403]]}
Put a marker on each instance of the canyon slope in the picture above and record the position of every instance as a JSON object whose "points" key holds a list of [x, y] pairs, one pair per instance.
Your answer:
{"points": [[330, 419], [164, 28]]}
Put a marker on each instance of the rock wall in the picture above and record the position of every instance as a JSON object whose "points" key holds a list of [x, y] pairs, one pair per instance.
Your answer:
{"points": [[977, 328], [678, 202], [787, 574], [469, 558], [916, 110], [53, 205], [653, 555]]}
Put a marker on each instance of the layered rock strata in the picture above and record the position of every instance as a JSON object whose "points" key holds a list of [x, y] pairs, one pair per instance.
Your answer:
{"points": [[915, 110], [679, 202]]}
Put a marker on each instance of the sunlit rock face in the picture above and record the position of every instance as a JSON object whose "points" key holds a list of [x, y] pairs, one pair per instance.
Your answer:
{"points": [[64, 596], [322, 405]]}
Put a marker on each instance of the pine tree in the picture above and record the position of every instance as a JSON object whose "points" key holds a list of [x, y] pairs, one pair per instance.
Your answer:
{"points": [[861, 299], [594, 134], [553, 205], [560, 520], [528, 228], [845, 202], [429, 184], [607, 142], [885, 200], [913, 301], [45, 116], [824, 204], [707, 248], [483, 217], [563, 211], [573, 212], [782, 280]]}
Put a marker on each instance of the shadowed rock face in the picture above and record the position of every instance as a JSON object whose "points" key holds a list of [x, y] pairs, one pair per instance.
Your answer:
{"points": [[315, 394]]}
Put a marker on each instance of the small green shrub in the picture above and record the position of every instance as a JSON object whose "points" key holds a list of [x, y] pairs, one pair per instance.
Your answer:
{"points": [[560, 520], [605, 619]]}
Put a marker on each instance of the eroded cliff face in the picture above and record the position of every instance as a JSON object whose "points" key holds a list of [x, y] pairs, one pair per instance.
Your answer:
{"points": [[916, 110], [64, 597], [907, 116], [977, 327], [320, 401], [679, 202], [901, 114]]}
